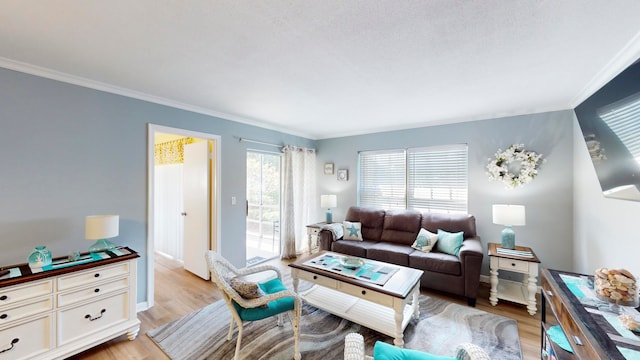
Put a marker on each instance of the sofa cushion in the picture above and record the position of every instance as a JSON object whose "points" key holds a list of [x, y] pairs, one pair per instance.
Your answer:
{"points": [[450, 222], [425, 241], [401, 226], [391, 253], [450, 243], [353, 248], [372, 221], [435, 262], [352, 230]]}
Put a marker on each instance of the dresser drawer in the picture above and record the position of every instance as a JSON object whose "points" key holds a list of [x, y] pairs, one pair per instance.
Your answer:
{"points": [[9, 316], [366, 294], [513, 265], [27, 339], [91, 276], [92, 292], [80, 321], [13, 294], [316, 279]]}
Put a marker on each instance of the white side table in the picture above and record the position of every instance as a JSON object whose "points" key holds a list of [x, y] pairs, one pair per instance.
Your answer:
{"points": [[524, 261], [312, 233]]}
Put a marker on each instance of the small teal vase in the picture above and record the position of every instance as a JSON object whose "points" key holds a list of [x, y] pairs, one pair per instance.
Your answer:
{"points": [[40, 257]]}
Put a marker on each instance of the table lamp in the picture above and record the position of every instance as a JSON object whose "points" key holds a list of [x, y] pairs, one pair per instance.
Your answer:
{"points": [[101, 228], [328, 201], [508, 215]]}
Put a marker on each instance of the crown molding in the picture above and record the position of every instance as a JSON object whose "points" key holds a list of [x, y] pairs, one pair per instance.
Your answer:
{"points": [[113, 89], [620, 61]]}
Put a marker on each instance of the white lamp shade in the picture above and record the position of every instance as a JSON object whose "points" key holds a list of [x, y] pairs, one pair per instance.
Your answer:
{"points": [[509, 215], [102, 227], [328, 201]]}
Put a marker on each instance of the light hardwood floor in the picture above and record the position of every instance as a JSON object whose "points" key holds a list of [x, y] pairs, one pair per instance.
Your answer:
{"points": [[179, 292]]}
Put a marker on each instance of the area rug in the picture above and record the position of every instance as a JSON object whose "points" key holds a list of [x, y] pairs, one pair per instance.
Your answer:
{"points": [[441, 327]]}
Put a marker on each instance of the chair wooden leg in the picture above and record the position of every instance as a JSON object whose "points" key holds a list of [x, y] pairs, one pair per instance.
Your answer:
{"points": [[230, 330], [296, 331], [238, 342]]}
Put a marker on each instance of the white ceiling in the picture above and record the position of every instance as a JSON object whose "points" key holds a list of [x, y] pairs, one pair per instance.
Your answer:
{"points": [[327, 68]]}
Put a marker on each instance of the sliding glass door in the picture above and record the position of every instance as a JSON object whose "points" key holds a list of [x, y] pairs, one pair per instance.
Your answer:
{"points": [[263, 206]]}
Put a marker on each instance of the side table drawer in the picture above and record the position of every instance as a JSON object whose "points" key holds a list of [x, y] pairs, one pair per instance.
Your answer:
{"points": [[513, 265], [80, 321], [28, 339], [13, 294]]}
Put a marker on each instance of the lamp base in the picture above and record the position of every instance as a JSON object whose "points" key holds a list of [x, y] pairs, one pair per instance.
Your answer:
{"points": [[329, 218], [101, 245], [508, 238]]}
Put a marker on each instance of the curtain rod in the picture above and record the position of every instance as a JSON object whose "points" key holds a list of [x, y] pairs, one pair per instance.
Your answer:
{"points": [[259, 142]]}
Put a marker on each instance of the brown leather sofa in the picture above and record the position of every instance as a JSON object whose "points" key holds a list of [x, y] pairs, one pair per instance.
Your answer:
{"points": [[388, 236]]}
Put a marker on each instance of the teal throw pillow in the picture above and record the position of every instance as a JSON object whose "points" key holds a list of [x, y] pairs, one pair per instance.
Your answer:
{"points": [[384, 351], [450, 243]]}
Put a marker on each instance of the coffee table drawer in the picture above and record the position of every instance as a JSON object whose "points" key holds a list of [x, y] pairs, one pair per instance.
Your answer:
{"points": [[366, 294], [317, 279]]}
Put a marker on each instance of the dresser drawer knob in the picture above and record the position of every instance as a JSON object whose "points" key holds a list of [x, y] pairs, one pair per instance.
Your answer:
{"points": [[96, 290], [91, 318], [13, 343], [513, 264], [96, 275], [3, 297], [4, 316]]}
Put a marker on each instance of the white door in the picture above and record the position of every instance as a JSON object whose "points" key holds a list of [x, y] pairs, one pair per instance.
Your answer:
{"points": [[196, 207]]}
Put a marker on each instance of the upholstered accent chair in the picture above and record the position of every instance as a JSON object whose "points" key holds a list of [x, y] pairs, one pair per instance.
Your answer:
{"points": [[274, 300]]}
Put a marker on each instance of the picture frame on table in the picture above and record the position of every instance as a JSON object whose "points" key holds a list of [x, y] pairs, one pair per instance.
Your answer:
{"points": [[328, 168]]}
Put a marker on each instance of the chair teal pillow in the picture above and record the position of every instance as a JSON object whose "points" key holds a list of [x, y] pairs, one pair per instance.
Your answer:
{"points": [[384, 351], [450, 243], [274, 307]]}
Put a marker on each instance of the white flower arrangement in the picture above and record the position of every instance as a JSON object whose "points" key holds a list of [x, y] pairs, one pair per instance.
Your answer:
{"points": [[498, 168]]}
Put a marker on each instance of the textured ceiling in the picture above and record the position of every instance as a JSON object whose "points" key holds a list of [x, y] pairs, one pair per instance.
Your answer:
{"points": [[332, 67]]}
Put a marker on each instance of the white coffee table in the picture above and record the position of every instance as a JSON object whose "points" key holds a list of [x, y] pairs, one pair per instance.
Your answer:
{"points": [[384, 308]]}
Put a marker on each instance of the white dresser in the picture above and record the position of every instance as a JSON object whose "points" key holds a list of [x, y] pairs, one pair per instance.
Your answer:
{"points": [[57, 313]]}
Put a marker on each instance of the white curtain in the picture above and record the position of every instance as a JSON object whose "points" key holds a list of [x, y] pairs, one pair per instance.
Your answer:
{"points": [[299, 199], [168, 204]]}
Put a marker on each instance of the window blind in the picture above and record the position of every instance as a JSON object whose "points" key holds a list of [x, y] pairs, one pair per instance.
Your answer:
{"points": [[622, 117], [427, 179], [437, 179], [382, 179]]}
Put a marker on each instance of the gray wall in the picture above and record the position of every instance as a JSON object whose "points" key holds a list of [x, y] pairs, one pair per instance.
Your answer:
{"points": [[69, 151], [548, 199]]}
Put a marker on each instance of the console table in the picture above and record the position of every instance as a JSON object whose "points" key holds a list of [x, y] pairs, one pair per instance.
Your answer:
{"points": [[56, 313], [570, 307]]}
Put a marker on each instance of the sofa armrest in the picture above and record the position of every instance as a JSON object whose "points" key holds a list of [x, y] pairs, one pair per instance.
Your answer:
{"points": [[471, 255], [325, 238]]}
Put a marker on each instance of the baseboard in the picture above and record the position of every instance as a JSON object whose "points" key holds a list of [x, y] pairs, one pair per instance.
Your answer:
{"points": [[142, 306]]}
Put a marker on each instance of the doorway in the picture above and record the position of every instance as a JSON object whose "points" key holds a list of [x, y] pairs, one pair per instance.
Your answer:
{"points": [[263, 206], [194, 206]]}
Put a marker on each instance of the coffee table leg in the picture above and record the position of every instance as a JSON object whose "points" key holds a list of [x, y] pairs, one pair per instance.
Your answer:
{"points": [[416, 302], [295, 282], [399, 340]]}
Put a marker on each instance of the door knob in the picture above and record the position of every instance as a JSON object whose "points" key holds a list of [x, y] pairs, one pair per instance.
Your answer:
{"points": [[183, 213]]}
